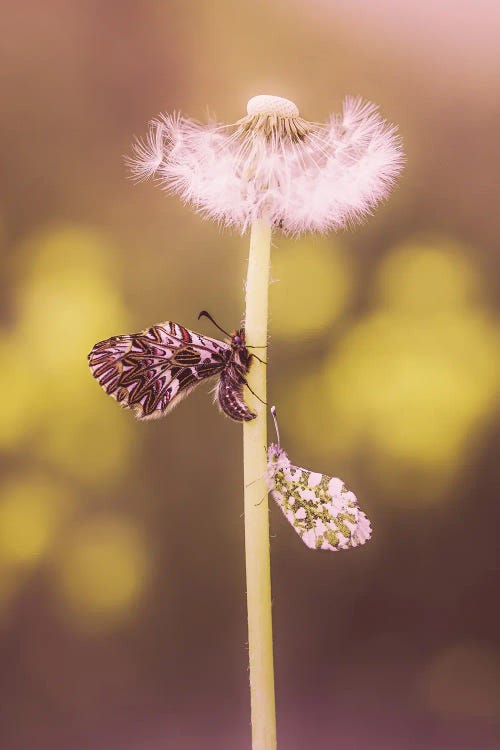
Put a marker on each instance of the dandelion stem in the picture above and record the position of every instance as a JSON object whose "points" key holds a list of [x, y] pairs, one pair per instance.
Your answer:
{"points": [[258, 572]]}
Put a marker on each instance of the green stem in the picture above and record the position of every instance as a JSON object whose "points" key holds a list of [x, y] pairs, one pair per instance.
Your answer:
{"points": [[258, 571]]}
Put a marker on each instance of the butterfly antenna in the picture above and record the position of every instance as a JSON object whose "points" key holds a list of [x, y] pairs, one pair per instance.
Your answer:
{"points": [[275, 418], [205, 314]]}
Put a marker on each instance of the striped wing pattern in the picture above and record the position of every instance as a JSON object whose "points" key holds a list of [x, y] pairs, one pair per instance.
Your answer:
{"points": [[152, 371]]}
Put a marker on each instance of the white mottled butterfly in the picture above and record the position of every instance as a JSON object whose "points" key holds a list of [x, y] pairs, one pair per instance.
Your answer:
{"points": [[323, 512]]}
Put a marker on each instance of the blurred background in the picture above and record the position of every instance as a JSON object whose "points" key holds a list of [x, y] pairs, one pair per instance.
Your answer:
{"points": [[122, 591]]}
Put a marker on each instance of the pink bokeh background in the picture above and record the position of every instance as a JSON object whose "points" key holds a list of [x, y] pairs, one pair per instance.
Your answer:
{"points": [[122, 593]]}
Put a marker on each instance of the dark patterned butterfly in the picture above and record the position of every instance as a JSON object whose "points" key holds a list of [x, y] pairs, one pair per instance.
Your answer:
{"points": [[152, 371]]}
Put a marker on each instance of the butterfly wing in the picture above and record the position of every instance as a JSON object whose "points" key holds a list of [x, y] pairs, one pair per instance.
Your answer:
{"points": [[152, 371], [323, 512]]}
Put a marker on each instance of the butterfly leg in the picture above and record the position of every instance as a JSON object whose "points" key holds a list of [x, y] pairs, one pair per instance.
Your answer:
{"points": [[251, 391], [260, 501], [259, 359], [262, 476]]}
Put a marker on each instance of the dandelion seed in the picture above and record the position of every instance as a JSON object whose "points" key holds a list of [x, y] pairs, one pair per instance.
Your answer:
{"points": [[272, 164]]}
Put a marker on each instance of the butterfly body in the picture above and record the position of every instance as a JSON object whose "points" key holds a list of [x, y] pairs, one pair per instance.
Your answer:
{"points": [[152, 371], [320, 508]]}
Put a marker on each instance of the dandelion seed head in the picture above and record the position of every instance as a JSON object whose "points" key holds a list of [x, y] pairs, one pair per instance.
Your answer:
{"points": [[300, 176], [265, 104]]}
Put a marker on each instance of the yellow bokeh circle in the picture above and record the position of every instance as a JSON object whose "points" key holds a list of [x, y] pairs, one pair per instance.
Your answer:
{"points": [[102, 570], [68, 298], [410, 385], [311, 286], [32, 511], [426, 276]]}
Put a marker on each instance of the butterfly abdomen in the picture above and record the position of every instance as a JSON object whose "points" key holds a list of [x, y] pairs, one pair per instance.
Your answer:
{"points": [[230, 396]]}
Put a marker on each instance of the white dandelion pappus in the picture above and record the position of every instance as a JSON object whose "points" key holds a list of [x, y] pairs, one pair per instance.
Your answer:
{"points": [[299, 175], [323, 512]]}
